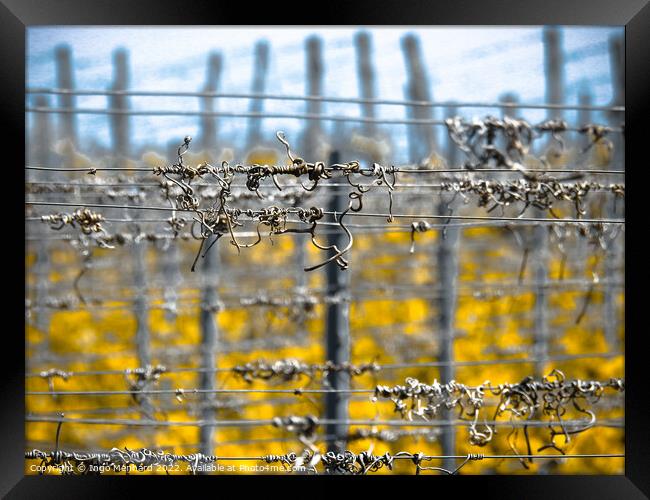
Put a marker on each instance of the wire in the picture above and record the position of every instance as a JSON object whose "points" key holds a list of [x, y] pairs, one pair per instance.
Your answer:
{"points": [[295, 116], [352, 214], [411, 169], [263, 423], [354, 100], [389, 366]]}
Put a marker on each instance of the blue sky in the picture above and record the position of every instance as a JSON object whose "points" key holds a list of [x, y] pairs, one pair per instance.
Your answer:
{"points": [[464, 64]]}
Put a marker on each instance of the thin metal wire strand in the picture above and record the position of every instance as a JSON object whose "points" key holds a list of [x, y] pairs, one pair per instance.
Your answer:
{"points": [[186, 392], [353, 100], [264, 423], [353, 214], [381, 367], [411, 169], [188, 293], [225, 114], [436, 457]]}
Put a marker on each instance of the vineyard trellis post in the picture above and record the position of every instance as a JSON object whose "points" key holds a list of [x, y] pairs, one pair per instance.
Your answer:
{"points": [[310, 135], [315, 73], [120, 133], [209, 279], [65, 80], [260, 70], [447, 261], [554, 95], [422, 139], [39, 153], [617, 162], [337, 332], [208, 132], [366, 76]]}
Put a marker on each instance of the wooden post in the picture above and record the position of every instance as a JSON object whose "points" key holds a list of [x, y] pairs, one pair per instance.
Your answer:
{"points": [[208, 136], [453, 152], [509, 98], [553, 67], [422, 139], [366, 77], [64, 80], [313, 132], [309, 143], [338, 334], [584, 99], [260, 70], [120, 123], [510, 111], [209, 279]]}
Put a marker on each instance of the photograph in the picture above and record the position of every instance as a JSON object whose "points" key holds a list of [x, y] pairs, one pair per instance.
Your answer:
{"points": [[324, 250]]}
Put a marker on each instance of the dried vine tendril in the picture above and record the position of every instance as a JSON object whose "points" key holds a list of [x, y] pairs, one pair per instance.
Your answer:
{"points": [[538, 194], [221, 218], [551, 396], [291, 369]]}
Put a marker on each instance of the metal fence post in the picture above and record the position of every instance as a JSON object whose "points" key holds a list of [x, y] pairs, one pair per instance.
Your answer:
{"points": [[617, 162], [40, 154], [121, 137], [553, 62], [338, 333], [447, 265], [309, 146], [209, 280]]}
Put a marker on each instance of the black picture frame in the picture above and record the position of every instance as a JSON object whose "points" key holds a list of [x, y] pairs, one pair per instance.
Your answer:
{"points": [[17, 15]]}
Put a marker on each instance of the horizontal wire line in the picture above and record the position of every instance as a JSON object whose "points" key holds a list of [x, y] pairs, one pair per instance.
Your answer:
{"points": [[352, 214], [410, 169], [232, 303], [325, 296], [459, 457], [389, 366], [296, 116], [186, 392], [429, 190], [353, 100], [270, 422]]}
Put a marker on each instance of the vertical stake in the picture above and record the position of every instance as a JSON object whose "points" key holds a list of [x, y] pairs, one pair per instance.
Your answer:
{"points": [[40, 154], [209, 278], [617, 162], [338, 333], [65, 80], [447, 265], [422, 139], [121, 135], [260, 70]]}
